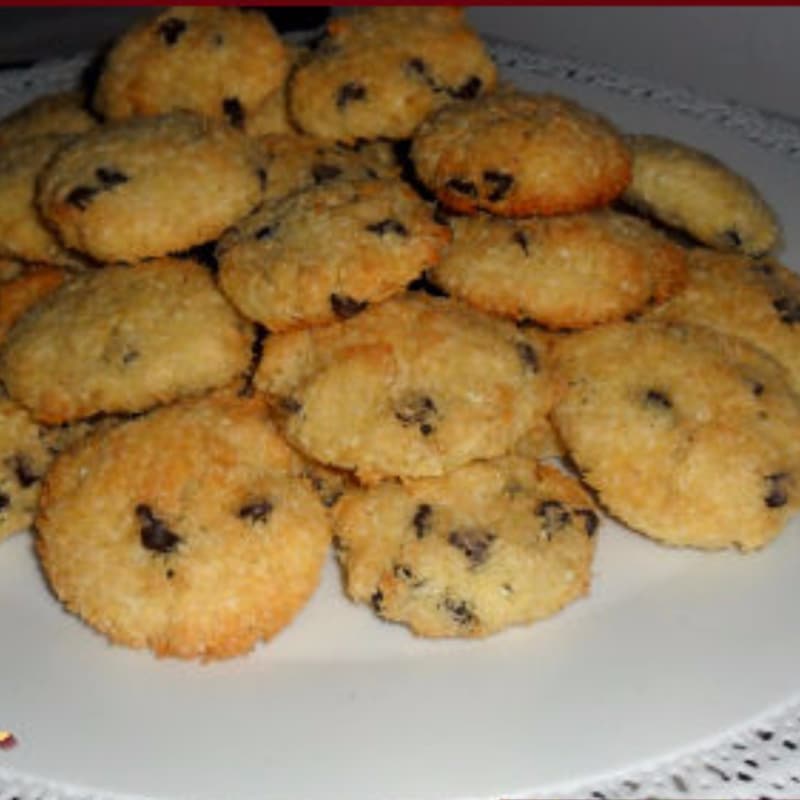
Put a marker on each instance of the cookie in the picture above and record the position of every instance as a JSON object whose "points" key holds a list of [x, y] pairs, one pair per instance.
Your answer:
{"points": [[24, 236], [688, 436], [294, 162], [124, 339], [569, 271], [56, 113], [18, 294], [758, 300], [413, 386], [219, 62], [150, 186], [695, 192], [316, 255], [490, 545], [516, 154], [380, 71], [186, 531]]}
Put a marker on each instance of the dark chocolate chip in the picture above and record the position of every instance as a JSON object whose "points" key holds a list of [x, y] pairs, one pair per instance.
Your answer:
{"points": [[329, 493], [520, 238], [154, 534], [590, 520], [732, 238], [172, 29], [469, 89], [129, 356], [26, 476], [376, 601], [417, 410], [777, 492], [349, 92], [5, 501], [290, 405], [500, 182], [261, 173], [554, 516], [266, 232], [757, 387], [388, 226], [474, 543], [234, 111], [404, 572], [345, 307], [657, 399], [325, 172], [788, 309], [81, 196], [460, 611], [462, 186], [417, 65], [170, 574], [422, 520], [528, 355], [110, 177], [257, 511]]}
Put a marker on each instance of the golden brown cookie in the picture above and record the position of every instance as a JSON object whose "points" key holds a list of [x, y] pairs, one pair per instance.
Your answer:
{"points": [[186, 531]]}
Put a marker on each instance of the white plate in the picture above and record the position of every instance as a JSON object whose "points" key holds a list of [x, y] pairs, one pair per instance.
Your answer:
{"points": [[672, 648]]}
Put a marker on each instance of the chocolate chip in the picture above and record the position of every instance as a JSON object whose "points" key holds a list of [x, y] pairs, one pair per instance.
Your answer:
{"points": [[345, 307], [501, 183], [388, 226], [417, 65], [462, 186], [234, 111], [81, 196], [763, 268], [129, 356], [261, 174], [110, 177], [788, 309], [325, 172], [777, 491], [403, 572], [756, 387], [417, 410], [290, 405], [732, 238], [422, 520], [469, 89], [328, 492], [590, 520], [170, 574], [5, 501], [376, 601], [349, 92], [154, 534], [554, 516], [460, 611], [528, 355], [26, 476], [474, 543], [657, 399], [266, 232], [520, 238], [257, 511], [172, 29]]}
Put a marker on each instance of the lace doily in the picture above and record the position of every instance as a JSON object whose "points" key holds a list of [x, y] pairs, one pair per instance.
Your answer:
{"points": [[759, 761]]}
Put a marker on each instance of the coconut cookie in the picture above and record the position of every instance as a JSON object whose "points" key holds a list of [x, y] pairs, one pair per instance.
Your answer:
{"points": [[187, 531], [322, 254], [695, 192], [123, 339], [755, 299], [219, 62], [380, 71], [414, 386], [57, 113], [24, 235], [517, 154], [569, 271], [294, 162], [687, 435], [487, 546], [150, 186]]}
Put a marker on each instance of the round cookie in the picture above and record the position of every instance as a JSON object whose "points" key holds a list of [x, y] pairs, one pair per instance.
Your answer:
{"points": [[380, 71], [187, 531], [413, 386], [490, 545], [219, 62], [517, 154], [755, 299], [569, 271], [150, 186], [294, 162], [695, 192], [23, 233], [321, 254], [18, 294], [56, 113], [124, 339], [688, 436]]}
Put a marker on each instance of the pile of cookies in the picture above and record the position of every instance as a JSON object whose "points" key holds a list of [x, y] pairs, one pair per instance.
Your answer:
{"points": [[258, 300]]}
